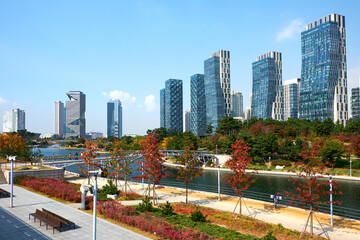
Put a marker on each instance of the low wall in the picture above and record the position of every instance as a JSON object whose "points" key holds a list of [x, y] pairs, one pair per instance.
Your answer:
{"points": [[57, 173]]}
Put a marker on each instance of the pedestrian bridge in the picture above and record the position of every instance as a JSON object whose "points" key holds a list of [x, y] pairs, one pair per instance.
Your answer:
{"points": [[66, 160]]}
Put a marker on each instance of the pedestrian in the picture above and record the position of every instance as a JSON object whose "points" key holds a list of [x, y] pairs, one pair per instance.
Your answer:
{"points": [[69, 155], [275, 201]]}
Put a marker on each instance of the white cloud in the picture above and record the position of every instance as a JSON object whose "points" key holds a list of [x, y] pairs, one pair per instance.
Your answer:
{"points": [[150, 103], [3, 101], [122, 96], [133, 99], [104, 94], [294, 28]]}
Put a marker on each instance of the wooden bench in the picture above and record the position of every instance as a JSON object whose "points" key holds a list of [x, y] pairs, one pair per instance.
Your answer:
{"points": [[47, 219], [4, 193], [65, 221]]}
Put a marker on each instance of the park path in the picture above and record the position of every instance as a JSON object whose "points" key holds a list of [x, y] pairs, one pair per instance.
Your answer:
{"points": [[15, 223], [289, 217]]}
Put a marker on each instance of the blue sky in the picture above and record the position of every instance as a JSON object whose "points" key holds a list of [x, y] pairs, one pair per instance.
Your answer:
{"points": [[128, 49]]}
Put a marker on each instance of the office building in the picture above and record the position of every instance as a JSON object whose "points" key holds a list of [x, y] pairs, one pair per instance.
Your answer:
{"points": [[172, 112], [291, 93], [59, 118], [217, 87], [187, 120], [267, 87], [198, 105], [323, 90], [162, 107], [114, 118], [355, 103], [14, 120], [75, 115], [248, 113], [237, 104]]}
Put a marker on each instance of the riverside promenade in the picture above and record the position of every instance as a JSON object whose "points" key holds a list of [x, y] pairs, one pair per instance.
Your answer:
{"points": [[289, 217], [15, 223]]}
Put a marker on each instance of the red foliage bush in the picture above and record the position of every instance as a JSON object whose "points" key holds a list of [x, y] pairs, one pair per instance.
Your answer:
{"points": [[52, 187], [147, 222], [187, 209]]}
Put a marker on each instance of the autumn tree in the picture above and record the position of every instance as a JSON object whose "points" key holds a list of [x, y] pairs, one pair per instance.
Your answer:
{"points": [[190, 168], [355, 144], [119, 162], [11, 144], [238, 163], [89, 158], [310, 188], [152, 166]]}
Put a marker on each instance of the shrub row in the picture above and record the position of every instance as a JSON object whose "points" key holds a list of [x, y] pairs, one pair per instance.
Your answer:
{"points": [[147, 222]]}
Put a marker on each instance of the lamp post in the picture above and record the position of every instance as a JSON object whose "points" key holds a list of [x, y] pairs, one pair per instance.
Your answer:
{"points": [[95, 173], [12, 159], [350, 167], [331, 202]]}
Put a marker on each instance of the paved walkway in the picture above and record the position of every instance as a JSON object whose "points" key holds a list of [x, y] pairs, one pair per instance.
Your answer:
{"points": [[289, 217], [15, 223]]}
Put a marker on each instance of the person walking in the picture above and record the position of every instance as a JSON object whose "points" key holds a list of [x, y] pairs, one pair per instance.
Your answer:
{"points": [[275, 201]]}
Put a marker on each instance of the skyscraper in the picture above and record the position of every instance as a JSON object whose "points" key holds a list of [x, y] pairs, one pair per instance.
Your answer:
{"points": [[59, 118], [323, 90], [173, 105], [355, 102], [187, 120], [267, 87], [217, 87], [75, 115], [14, 120], [198, 105], [114, 118], [291, 92], [237, 106], [162, 107]]}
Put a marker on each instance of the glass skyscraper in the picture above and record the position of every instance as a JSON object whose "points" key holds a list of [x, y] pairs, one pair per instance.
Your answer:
{"points": [[237, 106], [198, 105], [162, 107], [173, 110], [217, 87], [75, 115], [355, 103], [187, 120], [59, 118], [291, 92], [267, 87], [114, 118], [14, 120], [323, 90]]}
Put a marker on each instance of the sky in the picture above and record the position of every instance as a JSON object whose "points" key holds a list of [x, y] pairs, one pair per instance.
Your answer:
{"points": [[128, 49]]}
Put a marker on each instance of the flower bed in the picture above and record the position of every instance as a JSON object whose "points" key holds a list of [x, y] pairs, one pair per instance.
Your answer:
{"points": [[147, 222], [52, 187]]}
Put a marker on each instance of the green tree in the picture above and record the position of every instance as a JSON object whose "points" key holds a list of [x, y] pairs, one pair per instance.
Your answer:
{"points": [[189, 169], [209, 129], [332, 151], [228, 125]]}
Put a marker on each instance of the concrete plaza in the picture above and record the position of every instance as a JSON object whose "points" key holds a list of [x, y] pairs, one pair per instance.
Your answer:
{"points": [[15, 223]]}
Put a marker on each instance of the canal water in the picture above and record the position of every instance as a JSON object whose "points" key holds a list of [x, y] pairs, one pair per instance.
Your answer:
{"points": [[265, 185]]}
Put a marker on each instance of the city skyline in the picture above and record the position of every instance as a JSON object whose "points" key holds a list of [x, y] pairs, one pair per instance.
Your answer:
{"points": [[40, 46]]}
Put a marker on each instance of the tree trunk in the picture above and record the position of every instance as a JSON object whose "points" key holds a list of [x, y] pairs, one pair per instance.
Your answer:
{"points": [[311, 221], [149, 189], [240, 203], [125, 186], [88, 176], [154, 193], [187, 186], [116, 179]]}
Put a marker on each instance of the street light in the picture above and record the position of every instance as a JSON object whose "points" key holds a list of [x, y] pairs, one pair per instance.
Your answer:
{"points": [[12, 159], [95, 173], [350, 167], [331, 202]]}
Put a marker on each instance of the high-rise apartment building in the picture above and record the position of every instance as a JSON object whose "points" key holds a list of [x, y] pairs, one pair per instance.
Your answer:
{"points": [[267, 87], [291, 93], [198, 105], [355, 103], [187, 120], [75, 115], [162, 107], [237, 105], [248, 113], [171, 109], [59, 118], [114, 118], [323, 90], [14, 120], [217, 87]]}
